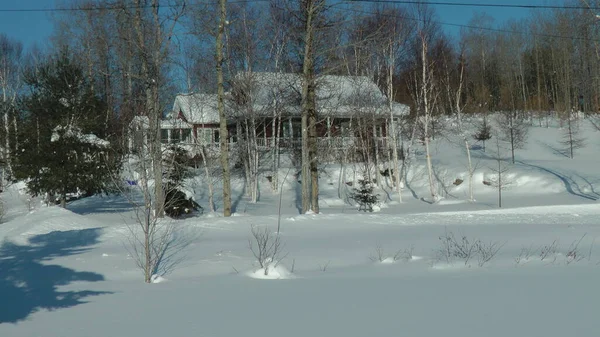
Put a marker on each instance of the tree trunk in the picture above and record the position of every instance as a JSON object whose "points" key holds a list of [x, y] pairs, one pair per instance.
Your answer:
{"points": [[427, 109], [314, 169], [209, 182], [308, 112], [499, 182], [376, 147], [223, 136], [392, 130]]}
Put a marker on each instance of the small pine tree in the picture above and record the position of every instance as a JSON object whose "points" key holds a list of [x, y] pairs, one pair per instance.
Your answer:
{"points": [[176, 169], [364, 196], [484, 132]]}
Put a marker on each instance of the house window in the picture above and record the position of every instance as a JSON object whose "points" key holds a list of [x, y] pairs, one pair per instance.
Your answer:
{"points": [[294, 132], [186, 135], [175, 136], [205, 136], [164, 136], [216, 135]]}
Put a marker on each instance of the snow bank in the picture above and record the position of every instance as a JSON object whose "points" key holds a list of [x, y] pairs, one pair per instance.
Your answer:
{"points": [[274, 273]]}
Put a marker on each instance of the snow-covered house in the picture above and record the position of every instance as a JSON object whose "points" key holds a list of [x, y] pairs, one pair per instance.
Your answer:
{"points": [[273, 102], [342, 103], [193, 120]]}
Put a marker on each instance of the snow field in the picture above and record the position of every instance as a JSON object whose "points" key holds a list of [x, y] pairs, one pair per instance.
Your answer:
{"points": [[71, 273]]}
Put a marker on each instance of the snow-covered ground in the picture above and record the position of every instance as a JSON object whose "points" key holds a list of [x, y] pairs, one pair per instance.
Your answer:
{"points": [[69, 273]]}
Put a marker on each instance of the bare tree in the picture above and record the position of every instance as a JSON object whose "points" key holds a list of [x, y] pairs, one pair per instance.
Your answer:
{"points": [[224, 139], [572, 139], [152, 35], [499, 180], [10, 82], [312, 11], [423, 86], [153, 241], [427, 101], [513, 129], [454, 93]]}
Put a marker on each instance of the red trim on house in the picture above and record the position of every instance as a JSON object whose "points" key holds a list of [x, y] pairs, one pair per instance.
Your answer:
{"points": [[181, 116]]}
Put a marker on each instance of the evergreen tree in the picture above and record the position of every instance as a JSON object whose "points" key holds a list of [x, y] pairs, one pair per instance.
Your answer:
{"points": [[62, 150], [484, 132], [364, 196], [176, 169]]}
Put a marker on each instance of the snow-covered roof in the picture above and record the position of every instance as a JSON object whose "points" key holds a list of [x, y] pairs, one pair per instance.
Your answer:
{"points": [[339, 96], [196, 108], [336, 95]]}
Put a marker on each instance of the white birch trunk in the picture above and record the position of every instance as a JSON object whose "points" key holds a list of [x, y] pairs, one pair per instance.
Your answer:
{"points": [[425, 91], [392, 130]]}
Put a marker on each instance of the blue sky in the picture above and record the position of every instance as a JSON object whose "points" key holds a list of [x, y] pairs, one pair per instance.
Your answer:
{"points": [[36, 27]]}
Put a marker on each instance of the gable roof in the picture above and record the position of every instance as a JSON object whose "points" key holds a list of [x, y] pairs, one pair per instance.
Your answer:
{"points": [[195, 108], [336, 95]]}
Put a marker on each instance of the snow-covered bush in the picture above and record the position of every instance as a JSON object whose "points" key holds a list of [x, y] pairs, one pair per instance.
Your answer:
{"points": [[364, 196], [177, 202]]}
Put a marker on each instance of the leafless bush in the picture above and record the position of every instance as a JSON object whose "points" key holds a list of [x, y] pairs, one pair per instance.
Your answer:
{"points": [[548, 252], [573, 253], [525, 254], [266, 248], [486, 251], [323, 268], [407, 254], [456, 248], [381, 256], [551, 252], [466, 249]]}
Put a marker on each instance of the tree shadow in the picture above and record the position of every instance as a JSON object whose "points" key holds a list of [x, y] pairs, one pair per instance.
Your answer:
{"points": [[238, 199], [555, 150], [28, 283], [100, 205], [570, 184]]}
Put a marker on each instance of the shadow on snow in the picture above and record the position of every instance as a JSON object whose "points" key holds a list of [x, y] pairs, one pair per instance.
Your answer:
{"points": [[28, 283]]}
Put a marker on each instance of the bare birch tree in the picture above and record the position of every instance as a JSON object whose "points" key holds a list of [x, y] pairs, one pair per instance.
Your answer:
{"points": [[454, 93], [426, 97], [223, 132], [10, 82], [311, 9], [499, 180]]}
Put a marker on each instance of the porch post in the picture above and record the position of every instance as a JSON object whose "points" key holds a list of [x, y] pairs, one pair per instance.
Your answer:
{"points": [[265, 132], [329, 132], [291, 133]]}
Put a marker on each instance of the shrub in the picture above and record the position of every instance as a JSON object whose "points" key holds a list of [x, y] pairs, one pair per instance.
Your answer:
{"points": [[364, 196]]}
